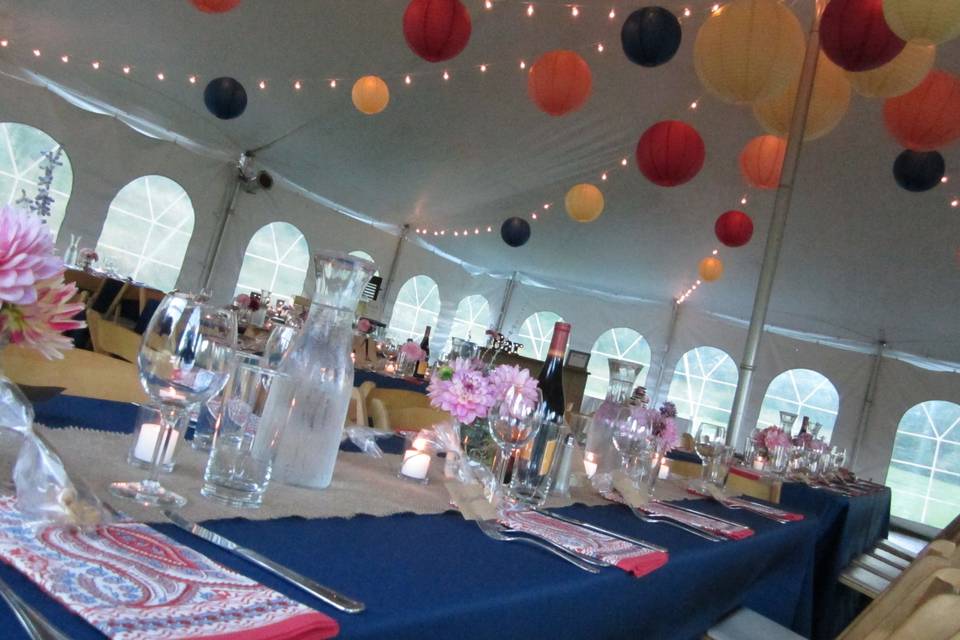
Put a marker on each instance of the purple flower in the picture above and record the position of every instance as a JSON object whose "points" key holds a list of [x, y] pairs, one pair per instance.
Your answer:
{"points": [[668, 410], [511, 377], [663, 427], [773, 437], [465, 393], [26, 256]]}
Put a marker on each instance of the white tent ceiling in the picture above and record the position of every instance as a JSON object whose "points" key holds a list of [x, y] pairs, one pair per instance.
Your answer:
{"points": [[861, 256]]}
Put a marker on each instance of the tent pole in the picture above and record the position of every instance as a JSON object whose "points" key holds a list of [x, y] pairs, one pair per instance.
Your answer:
{"points": [[393, 264], [778, 221], [213, 253], [867, 408], [507, 297], [671, 330]]}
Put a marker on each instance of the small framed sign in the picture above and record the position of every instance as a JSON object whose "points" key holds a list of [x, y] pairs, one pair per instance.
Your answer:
{"points": [[578, 359]]}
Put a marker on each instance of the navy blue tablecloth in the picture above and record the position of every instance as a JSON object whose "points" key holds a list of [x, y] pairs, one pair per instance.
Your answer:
{"points": [[387, 382], [436, 576], [847, 527]]}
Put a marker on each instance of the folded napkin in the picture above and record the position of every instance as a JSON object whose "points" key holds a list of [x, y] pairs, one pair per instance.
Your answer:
{"points": [[130, 581], [630, 557], [749, 505], [743, 472], [699, 521]]}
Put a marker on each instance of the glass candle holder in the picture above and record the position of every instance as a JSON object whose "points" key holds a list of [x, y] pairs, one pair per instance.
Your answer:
{"points": [[148, 429], [416, 462]]}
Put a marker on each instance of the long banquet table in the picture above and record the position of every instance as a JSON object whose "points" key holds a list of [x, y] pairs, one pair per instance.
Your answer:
{"points": [[438, 575]]}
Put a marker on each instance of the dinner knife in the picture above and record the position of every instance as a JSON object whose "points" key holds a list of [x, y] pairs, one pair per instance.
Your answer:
{"points": [[317, 590]]}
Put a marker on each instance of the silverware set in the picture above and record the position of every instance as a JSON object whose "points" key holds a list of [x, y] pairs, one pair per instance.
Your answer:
{"points": [[498, 532], [654, 518]]}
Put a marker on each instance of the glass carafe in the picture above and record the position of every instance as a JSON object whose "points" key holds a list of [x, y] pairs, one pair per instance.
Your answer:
{"points": [[600, 457], [313, 398]]}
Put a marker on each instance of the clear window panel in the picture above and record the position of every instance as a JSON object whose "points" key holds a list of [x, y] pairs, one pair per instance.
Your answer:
{"points": [[417, 306], [704, 382], [924, 472], [365, 256], [470, 321], [535, 334], [804, 392], [22, 165], [147, 230], [621, 343], [277, 260]]}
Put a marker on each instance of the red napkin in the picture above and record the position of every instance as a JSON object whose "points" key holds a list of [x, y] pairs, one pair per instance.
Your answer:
{"points": [[745, 473], [628, 556], [750, 505], [130, 581], [704, 522]]}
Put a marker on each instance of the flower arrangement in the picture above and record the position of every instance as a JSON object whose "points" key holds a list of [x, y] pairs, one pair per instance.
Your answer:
{"points": [[466, 389], [35, 307], [771, 437], [87, 257], [806, 440], [661, 422]]}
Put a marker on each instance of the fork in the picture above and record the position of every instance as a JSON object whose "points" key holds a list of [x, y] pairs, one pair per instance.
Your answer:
{"points": [[679, 525], [36, 626], [493, 531]]}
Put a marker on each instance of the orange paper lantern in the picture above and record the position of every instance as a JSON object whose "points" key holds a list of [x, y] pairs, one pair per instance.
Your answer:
{"points": [[761, 161], [559, 82], [926, 118], [711, 268]]}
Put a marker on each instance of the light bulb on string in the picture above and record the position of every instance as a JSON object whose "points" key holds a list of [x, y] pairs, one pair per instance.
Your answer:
{"points": [[446, 75], [192, 79], [530, 10], [161, 77], [574, 11], [716, 251], [456, 234], [686, 12], [944, 179], [489, 229], [95, 64], [487, 4], [333, 84], [483, 68], [612, 14], [546, 205], [297, 85], [126, 69], [955, 203], [715, 8], [262, 84], [523, 65], [4, 43], [534, 215], [599, 47], [603, 176], [623, 162], [743, 200], [694, 105], [476, 231], [36, 53], [407, 79]]}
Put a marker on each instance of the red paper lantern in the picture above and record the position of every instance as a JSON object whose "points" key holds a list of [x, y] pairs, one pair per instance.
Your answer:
{"points": [[927, 117], [559, 82], [436, 30], [734, 228], [761, 161], [215, 6], [670, 153], [855, 35]]}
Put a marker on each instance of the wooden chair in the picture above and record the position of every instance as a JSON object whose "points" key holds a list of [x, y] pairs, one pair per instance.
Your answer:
{"points": [[357, 413], [377, 414], [406, 418], [394, 399], [937, 619], [113, 339]]}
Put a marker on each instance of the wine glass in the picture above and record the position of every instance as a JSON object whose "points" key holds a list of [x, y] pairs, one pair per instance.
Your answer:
{"points": [[513, 422], [184, 359], [708, 447], [636, 444]]}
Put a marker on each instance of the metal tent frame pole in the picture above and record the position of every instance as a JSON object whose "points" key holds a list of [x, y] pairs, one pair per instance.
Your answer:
{"points": [[671, 330], [507, 297], [867, 408], [388, 283], [778, 222], [213, 254]]}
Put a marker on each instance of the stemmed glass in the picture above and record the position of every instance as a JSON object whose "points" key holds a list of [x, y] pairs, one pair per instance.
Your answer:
{"points": [[513, 422], [709, 448], [637, 447], [184, 359]]}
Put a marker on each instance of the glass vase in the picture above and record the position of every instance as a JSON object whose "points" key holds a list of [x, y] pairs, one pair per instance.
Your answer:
{"points": [[600, 457], [312, 399]]}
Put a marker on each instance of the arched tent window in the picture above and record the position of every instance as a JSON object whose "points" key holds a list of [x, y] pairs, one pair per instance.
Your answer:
{"points": [[535, 334], [802, 392], [23, 164], [471, 320], [277, 259], [365, 256], [417, 305], [924, 472], [703, 386], [621, 344], [147, 230]]}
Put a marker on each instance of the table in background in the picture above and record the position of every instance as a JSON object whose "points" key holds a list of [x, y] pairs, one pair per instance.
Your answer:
{"points": [[847, 528], [387, 382], [439, 576]]}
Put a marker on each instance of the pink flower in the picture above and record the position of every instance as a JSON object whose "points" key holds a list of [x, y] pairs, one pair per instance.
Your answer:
{"points": [[773, 437], [26, 255], [364, 326], [412, 350], [662, 426], [242, 300], [462, 390], [40, 325], [507, 377]]}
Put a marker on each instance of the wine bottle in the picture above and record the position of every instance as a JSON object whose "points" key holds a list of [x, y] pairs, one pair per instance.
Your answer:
{"points": [[420, 370], [551, 375], [804, 424]]}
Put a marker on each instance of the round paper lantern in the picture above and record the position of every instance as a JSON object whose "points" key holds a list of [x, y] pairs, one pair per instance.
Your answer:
{"points": [[749, 50], [515, 231], [370, 95], [225, 98], [828, 103], [559, 82], [650, 36], [710, 269], [928, 116], [762, 160], [436, 30], [670, 153], [925, 21], [918, 170], [215, 6], [584, 202], [734, 229], [899, 75], [855, 36]]}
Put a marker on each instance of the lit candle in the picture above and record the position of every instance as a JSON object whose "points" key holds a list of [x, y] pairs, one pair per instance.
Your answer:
{"points": [[590, 463], [148, 441], [415, 464], [390, 368], [664, 472], [758, 463], [171, 394]]}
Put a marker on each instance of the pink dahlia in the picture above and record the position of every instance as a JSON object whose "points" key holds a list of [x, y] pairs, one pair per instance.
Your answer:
{"points": [[773, 437], [40, 325], [511, 378], [462, 390], [26, 255], [411, 350]]}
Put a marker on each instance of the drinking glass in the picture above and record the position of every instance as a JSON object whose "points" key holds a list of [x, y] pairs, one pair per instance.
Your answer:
{"points": [[721, 466], [278, 344], [513, 422], [708, 448], [638, 449], [184, 359], [780, 459], [209, 416], [241, 456], [786, 421]]}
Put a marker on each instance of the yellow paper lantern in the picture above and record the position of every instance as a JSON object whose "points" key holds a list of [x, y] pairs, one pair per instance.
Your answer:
{"points": [[898, 76], [711, 268], [584, 202], [923, 21], [370, 95], [749, 50], [828, 103]]}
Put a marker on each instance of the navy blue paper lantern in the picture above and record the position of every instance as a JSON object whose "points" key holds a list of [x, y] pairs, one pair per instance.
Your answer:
{"points": [[918, 170], [515, 231], [225, 98], [650, 36]]}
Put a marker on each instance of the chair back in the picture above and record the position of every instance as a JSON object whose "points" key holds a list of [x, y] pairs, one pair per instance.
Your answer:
{"points": [[938, 616], [357, 412], [415, 418], [113, 339], [106, 298], [378, 416], [394, 399], [366, 387]]}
